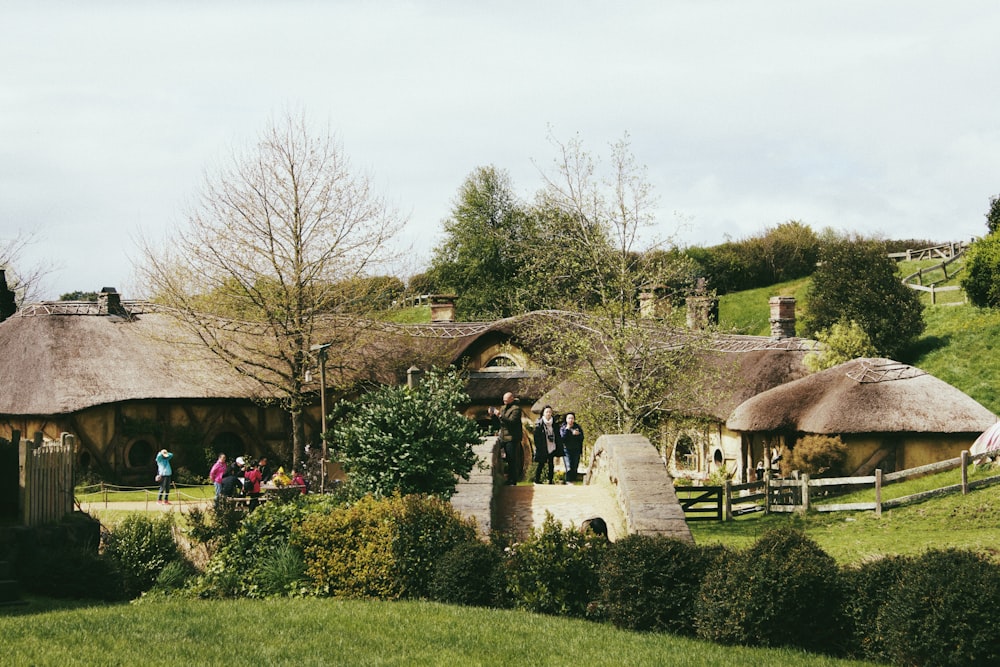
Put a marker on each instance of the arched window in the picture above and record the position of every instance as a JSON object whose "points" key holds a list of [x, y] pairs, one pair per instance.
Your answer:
{"points": [[502, 362], [685, 454], [140, 453]]}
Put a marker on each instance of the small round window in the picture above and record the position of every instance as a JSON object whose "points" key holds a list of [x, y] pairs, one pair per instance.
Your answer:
{"points": [[141, 453]]}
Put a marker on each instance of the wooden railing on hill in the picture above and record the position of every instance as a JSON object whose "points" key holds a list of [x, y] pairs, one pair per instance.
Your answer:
{"points": [[794, 495], [943, 251], [916, 279]]}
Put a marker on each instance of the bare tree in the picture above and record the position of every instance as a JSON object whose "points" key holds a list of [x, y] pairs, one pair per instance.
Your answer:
{"points": [[259, 268], [23, 280], [627, 369]]}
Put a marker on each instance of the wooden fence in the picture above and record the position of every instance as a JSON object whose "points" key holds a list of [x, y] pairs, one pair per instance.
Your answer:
{"points": [[46, 479], [944, 251], [795, 495], [918, 275]]}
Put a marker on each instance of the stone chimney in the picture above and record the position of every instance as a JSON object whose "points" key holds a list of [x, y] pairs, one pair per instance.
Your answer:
{"points": [[702, 312], [653, 304], [782, 316], [442, 307], [413, 377], [109, 301], [8, 304]]}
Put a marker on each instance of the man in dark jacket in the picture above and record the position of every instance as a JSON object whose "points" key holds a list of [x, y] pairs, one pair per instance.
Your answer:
{"points": [[508, 420]]}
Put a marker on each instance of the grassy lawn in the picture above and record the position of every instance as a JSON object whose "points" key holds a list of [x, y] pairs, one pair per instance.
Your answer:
{"points": [[92, 494], [969, 522], [748, 312], [344, 632]]}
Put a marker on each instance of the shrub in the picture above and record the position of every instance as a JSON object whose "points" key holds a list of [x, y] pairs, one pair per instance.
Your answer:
{"points": [[652, 583], [281, 572], [73, 573], [981, 280], [816, 455], [783, 591], [842, 341], [380, 548], [867, 589], [217, 525], [469, 574], [174, 576], [555, 570], [943, 611], [141, 546], [235, 569]]}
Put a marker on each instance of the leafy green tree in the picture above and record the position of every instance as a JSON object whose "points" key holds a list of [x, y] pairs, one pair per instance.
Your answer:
{"points": [[407, 440], [842, 342], [981, 280], [482, 256], [856, 280], [993, 215], [270, 242]]}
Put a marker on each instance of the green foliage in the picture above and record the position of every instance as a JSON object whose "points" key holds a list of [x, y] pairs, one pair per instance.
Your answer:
{"points": [[72, 573], [857, 281], [841, 342], [469, 574], [281, 572], [235, 569], [981, 280], [993, 215], [379, 547], [652, 583], [942, 611], [867, 588], [748, 312], [78, 295], [785, 252], [555, 571], [408, 441], [481, 257], [783, 591], [363, 294], [816, 455], [141, 546], [174, 576], [214, 527]]}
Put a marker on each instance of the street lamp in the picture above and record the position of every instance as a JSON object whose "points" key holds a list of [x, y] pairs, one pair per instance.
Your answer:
{"points": [[320, 351]]}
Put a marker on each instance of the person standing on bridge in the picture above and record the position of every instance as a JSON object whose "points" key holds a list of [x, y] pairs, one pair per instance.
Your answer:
{"points": [[508, 422], [547, 445], [571, 435]]}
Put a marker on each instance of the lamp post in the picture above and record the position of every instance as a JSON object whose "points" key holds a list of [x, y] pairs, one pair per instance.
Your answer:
{"points": [[320, 351]]}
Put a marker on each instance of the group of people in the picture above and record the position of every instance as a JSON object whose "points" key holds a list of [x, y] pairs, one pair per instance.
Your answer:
{"points": [[243, 478], [551, 440]]}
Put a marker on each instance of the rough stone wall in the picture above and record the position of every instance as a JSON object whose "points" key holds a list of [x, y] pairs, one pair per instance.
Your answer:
{"points": [[644, 488], [475, 497]]}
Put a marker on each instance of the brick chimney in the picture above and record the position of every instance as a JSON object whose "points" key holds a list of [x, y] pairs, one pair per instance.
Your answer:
{"points": [[702, 312], [653, 304], [782, 316], [442, 307], [109, 301]]}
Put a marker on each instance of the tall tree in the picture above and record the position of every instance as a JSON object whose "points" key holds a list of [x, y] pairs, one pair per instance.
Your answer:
{"points": [[856, 280], [630, 370], [481, 257], [993, 215], [271, 241]]}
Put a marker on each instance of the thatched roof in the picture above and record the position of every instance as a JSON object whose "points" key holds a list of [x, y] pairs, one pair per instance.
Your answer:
{"points": [[863, 396]]}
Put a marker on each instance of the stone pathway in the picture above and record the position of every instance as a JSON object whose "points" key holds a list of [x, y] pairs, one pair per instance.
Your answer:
{"points": [[519, 508]]}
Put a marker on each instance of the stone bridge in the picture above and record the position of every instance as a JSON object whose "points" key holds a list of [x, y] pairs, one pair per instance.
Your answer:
{"points": [[626, 484]]}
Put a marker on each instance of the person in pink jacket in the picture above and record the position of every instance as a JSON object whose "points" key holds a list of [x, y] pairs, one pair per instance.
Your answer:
{"points": [[216, 474]]}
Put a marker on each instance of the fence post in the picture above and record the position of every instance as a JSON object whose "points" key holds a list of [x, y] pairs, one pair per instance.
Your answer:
{"points": [[805, 492], [878, 493], [727, 501], [767, 492], [965, 472]]}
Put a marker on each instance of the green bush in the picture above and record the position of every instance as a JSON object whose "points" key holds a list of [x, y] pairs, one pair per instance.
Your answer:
{"points": [[867, 589], [942, 611], [981, 280], [235, 569], [782, 591], [215, 526], [380, 548], [652, 583], [469, 574], [141, 546], [281, 572], [555, 571], [73, 573], [816, 455]]}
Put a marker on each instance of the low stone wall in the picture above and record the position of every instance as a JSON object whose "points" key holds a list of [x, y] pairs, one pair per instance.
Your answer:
{"points": [[475, 497], [644, 488]]}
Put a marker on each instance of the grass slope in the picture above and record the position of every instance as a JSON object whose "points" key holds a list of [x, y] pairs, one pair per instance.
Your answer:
{"points": [[345, 632]]}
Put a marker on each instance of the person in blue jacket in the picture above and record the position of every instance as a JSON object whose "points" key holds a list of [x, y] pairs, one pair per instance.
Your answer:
{"points": [[164, 472]]}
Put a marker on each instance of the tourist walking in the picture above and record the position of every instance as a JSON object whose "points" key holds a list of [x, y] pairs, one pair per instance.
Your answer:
{"points": [[547, 445], [571, 436], [163, 474], [216, 474]]}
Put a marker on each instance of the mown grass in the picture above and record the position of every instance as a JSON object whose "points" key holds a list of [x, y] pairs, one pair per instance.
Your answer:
{"points": [[748, 312], [954, 521], [344, 632], [85, 494]]}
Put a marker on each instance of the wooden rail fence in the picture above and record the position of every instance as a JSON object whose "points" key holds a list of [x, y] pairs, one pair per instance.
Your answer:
{"points": [[45, 478], [706, 503]]}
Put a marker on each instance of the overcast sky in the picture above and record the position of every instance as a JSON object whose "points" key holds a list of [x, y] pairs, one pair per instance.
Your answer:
{"points": [[875, 117]]}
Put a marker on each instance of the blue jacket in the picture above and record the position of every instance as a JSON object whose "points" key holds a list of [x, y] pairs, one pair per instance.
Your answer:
{"points": [[163, 464]]}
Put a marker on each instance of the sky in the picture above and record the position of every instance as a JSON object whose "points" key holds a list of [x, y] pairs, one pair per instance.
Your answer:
{"points": [[879, 118]]}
